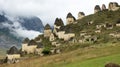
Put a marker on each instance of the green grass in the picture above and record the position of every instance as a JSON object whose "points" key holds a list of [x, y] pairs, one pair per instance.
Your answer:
{"points": [[96, 62], [92, 58], [81, 57]]}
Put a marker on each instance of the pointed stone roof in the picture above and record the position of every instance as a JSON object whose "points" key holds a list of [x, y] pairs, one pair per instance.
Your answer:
{"points": [[97, 7], [116, 4], [47, 26], [103, 7], [69, 15], [32, 42], [13, 50], [82, 13], [62, 28], [39, 45], [112, 5], [59, 22], [26, 40]]}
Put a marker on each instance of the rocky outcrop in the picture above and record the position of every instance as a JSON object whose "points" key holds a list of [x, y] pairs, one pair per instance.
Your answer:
{"points": [[31, 23], [97, 9], [81, 15], [70, 18], [112, 65], [113, 6], [103, 7]]}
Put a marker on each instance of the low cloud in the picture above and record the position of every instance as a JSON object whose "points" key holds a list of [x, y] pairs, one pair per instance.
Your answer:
{"points": [[26, 33], [20, 31]]}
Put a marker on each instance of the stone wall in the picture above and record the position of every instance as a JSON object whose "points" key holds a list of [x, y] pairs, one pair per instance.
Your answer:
{"points": [[28, 49], [118, 24], [58, 27], [55, 29], [52, 37], [47, 33], [70, 20], [13, 56], [116, 35], [97, 9], [81, 15], [68, 36], [61, 34], [103, 7], [39, 51], [113, 6]]}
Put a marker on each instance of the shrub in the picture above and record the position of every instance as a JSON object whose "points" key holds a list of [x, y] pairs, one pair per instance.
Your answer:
{"points": [[46, 51]]}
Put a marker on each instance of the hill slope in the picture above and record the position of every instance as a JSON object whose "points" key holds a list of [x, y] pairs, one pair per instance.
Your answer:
{"points": [[98, 18], [83, 57], [102, 47]]}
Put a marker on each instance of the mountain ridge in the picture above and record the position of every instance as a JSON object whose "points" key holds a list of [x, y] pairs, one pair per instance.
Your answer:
{"points": [[8, 28]]}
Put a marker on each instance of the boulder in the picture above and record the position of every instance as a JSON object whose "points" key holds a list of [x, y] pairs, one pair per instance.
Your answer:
{"points": [[112, 65]]}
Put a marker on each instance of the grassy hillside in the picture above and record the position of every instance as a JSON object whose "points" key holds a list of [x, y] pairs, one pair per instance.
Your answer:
{"points": [[89, 54], [96, 56], [98, 18], [96, 62]]}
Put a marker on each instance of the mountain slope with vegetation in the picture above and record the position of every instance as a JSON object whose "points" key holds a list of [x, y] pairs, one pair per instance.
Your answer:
{"points": [[9, 37], [94, 40], [80, 57], [98, 18]]}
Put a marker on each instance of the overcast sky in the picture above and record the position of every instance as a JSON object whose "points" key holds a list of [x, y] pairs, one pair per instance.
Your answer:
{"points": [[48, 10]]}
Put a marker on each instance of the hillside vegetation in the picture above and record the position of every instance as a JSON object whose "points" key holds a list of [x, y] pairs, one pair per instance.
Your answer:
{"points": [[97, 19], [96, 56], [87, 48]]}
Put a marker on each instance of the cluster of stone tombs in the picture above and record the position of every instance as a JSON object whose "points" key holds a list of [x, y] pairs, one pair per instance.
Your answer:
{"points": [[60, 32]]}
